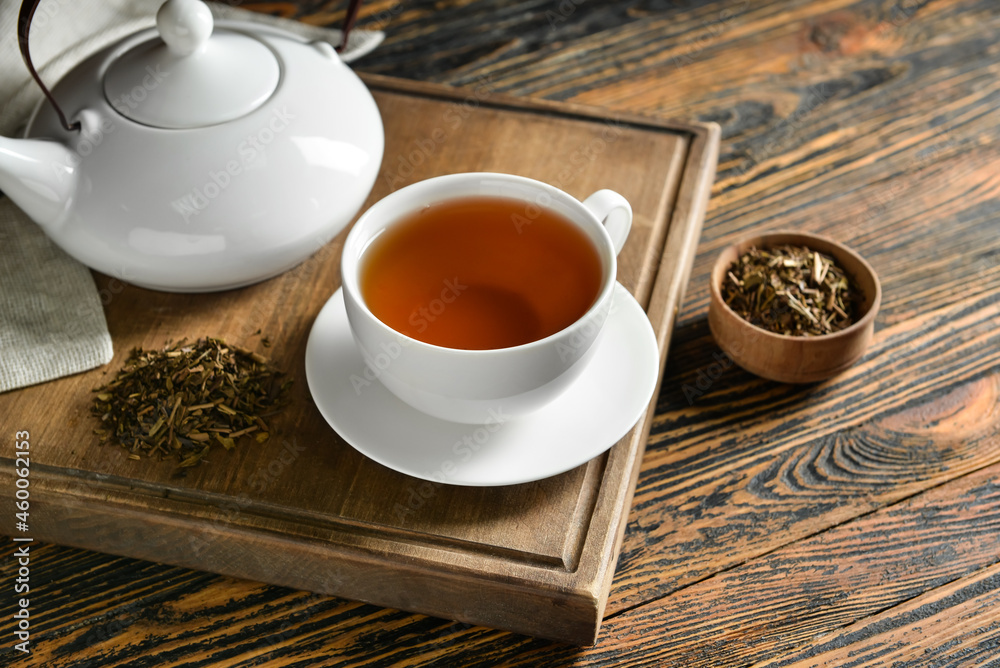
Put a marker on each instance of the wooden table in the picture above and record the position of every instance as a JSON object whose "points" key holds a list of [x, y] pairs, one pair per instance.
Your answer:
{"points": [[854, 521]]}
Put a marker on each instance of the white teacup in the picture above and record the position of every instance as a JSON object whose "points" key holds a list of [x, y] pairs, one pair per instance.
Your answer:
{"points": [[483, 386]]}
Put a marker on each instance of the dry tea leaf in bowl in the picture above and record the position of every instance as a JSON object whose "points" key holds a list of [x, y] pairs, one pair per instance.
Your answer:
{"points": [[188, 398], [791, 290]]}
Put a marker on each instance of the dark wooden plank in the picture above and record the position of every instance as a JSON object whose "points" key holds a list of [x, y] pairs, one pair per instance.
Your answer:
{"points": [[825, 152], [917, 196], [748, 465], [813, 587], [124, 612], [843, 590], [954, 625]]}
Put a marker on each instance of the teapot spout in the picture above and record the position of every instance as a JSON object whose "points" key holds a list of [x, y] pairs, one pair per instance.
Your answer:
{"points": [[40, 176]]}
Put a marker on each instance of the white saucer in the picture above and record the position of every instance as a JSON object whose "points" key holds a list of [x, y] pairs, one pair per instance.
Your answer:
{"points": [[591, 416]]}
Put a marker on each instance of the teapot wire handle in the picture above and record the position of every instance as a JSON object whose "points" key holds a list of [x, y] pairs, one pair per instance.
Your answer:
{"points": [[28, 8], [352, 13]]}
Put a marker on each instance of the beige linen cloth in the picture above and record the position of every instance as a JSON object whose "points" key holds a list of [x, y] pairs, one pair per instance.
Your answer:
{"points": [[51, 316]]}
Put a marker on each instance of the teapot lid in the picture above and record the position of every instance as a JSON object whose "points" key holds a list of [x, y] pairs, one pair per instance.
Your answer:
{"points": [[188, 77]]}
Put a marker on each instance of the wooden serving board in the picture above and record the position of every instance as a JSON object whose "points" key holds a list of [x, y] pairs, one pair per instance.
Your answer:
{"points": [[304, 509]]}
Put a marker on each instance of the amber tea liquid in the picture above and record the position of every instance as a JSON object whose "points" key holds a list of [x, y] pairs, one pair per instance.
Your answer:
{"points": [[480, 273]]}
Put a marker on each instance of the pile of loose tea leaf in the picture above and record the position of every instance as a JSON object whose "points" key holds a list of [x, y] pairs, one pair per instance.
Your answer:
{"points": [[182, 401], [791, 290]]}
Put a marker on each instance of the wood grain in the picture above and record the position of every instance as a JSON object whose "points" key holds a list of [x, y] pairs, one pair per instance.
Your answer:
{"points": [[873, 122], [812, 587], [952, 625]]}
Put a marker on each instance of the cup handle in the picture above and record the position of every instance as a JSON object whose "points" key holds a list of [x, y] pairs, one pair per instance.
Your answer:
{"points": [[614, 212]]}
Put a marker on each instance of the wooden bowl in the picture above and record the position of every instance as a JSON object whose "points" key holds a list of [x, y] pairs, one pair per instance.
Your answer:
{"points": [[794, 359]]}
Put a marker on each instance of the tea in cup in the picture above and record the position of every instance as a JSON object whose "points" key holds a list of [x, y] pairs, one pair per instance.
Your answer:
{"points": [[479, 296]]}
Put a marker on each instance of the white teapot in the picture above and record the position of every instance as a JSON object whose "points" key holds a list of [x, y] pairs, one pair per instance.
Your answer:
{"points": [[200, 157]]}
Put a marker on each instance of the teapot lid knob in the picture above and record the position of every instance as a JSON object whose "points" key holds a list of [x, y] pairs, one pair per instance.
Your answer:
{"points": [[192, 75], [185, 26]]}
